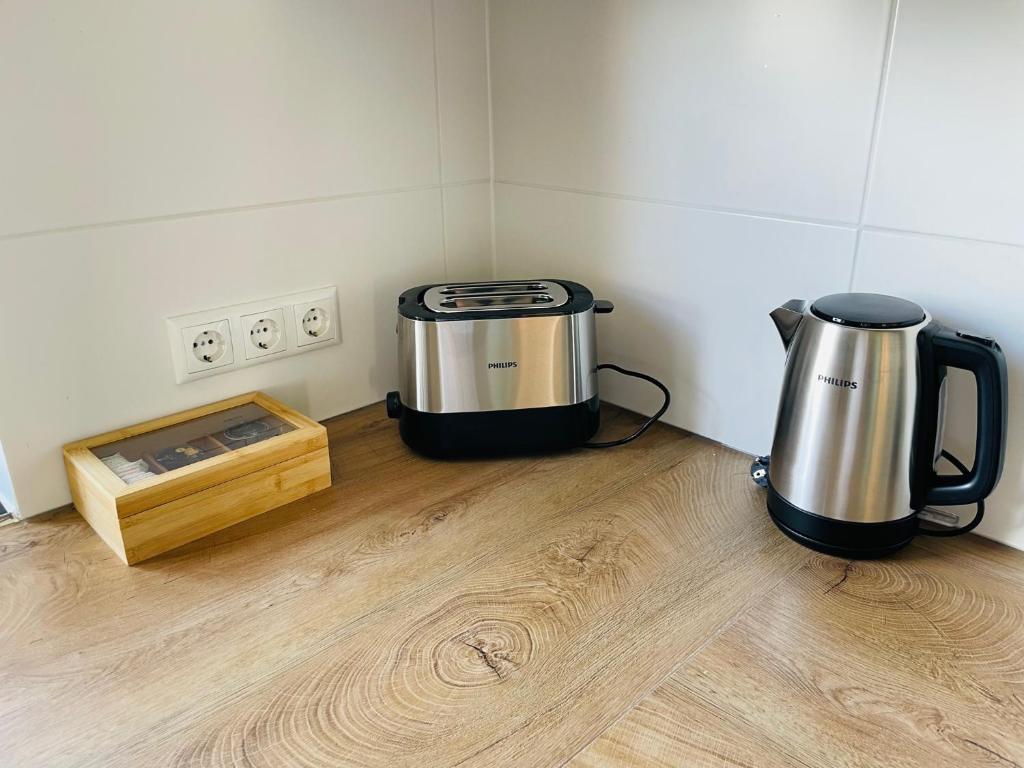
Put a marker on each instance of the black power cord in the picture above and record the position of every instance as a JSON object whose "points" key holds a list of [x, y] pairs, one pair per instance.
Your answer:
{"points": [[647, 424], [977, 517]]}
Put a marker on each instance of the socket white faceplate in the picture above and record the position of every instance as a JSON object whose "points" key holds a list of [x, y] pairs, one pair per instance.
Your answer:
{"points": [[220, 340], [207, 346], [264, 333], [314, 323]]}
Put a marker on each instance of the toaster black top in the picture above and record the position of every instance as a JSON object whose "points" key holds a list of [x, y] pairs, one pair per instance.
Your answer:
{"points": [[495, 300]]}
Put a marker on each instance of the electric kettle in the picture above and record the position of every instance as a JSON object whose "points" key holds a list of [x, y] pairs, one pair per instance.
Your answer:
{"points": [[860, 422]]}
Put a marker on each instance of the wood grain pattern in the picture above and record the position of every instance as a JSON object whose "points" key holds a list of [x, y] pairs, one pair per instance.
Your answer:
{"points": [[530, 628], [96, 505], [912, 661], [622, 607], [671, 727]]}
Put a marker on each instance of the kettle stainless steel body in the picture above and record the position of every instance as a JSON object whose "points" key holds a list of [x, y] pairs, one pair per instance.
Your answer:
{"points": [[859, 427]]}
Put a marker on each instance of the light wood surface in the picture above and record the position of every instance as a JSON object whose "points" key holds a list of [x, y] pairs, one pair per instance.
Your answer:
{"points": [[630, 606], [914, 661]]}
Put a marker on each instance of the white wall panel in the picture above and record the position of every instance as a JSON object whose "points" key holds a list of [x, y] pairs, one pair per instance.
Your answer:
{"points": [[138, 108], [950, 150], [739, 104], [462, 89], [467, 213]]}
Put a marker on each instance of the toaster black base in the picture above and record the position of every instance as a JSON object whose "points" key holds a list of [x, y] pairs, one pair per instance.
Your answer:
{"points": [[492, 433], [840, 537]]}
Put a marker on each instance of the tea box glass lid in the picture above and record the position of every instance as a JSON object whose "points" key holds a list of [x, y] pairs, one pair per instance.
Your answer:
{"points": [[141, 457]]}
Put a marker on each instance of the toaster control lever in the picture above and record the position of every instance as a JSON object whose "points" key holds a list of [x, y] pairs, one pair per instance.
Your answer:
{"points": [[603, 307]]}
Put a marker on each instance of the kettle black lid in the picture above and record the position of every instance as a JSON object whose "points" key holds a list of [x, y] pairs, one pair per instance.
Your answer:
{"points": [[868, 310]]}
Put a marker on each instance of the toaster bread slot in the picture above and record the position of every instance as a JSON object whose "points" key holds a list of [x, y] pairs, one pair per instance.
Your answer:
{"points": [[495, 301], [511, 296], [483, 288]]}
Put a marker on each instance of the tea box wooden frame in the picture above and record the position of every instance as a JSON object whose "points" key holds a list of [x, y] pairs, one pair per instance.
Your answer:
{"points": [[234, 476]]}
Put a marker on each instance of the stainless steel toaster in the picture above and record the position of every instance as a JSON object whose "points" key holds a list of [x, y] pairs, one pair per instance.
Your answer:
{"points": [[496, 367]]}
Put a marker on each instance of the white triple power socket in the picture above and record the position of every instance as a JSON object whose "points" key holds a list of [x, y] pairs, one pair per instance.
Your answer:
{"points": [[219, 340]]}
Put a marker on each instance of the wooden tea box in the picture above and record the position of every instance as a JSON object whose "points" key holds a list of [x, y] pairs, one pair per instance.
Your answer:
{"points": [[152, 487]]}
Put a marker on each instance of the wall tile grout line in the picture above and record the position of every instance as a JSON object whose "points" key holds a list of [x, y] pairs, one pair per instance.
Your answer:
{"points": [[236, 209], [490, 138], [940, 236], [680, 204], [876, 126], [440, 150], [785, 218], [465, 183]]}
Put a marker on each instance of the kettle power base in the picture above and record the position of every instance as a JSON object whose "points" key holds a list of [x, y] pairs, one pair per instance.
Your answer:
{"points": [[857, 541]]}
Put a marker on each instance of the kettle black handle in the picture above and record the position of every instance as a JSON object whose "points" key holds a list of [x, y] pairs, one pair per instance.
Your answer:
{"points": [[985, 360]]}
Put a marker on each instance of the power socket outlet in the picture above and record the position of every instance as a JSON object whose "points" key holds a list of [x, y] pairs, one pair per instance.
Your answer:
{"points": [[264, 333], [216, 341], [207, 346], [315, 322]]}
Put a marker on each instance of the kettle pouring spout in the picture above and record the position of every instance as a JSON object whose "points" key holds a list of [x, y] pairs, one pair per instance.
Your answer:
{"points": [[787, 319]]}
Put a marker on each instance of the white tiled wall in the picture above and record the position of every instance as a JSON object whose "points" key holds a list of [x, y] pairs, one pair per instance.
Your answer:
{"points": [[701, 162], [460, 31], [467, 224], [951, 146], [163, 157], [124, 110], [738, 104]]}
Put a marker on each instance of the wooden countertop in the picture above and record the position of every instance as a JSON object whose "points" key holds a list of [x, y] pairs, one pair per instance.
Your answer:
{"points": [[630, 606]]}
